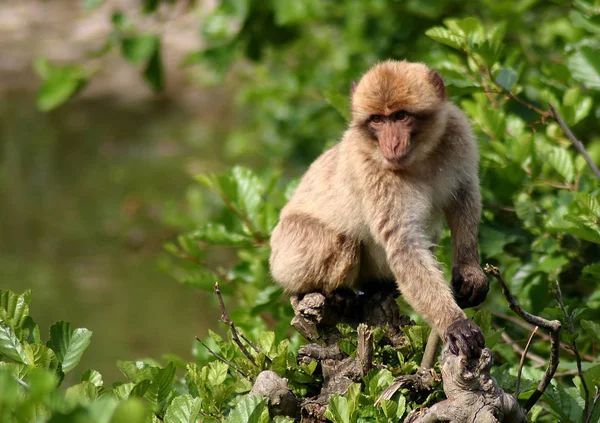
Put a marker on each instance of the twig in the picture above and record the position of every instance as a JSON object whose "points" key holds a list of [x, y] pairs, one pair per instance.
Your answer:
{"points": [[571, 329], [225, 318], [520, 350], [221, 358], [518, 385], [595, 402], [551, 325], [542, 335], [576, 143], [256, 348]]}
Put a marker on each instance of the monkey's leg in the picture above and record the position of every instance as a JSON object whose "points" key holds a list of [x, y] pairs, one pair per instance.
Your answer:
{"points": [[432, 350], [469, 282], [308, 256]]}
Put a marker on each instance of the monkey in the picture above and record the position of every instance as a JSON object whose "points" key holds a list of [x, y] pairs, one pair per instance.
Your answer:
{"points": [[370, 208]]}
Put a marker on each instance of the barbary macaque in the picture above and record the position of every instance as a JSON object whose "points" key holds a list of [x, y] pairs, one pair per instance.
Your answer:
{"points": [[370, 208]]}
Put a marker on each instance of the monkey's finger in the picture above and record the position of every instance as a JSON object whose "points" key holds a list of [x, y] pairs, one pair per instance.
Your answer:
{"points": [[451, 342]]}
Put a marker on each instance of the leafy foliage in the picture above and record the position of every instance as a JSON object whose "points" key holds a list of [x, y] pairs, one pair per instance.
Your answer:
{"points": [[503, 62]]}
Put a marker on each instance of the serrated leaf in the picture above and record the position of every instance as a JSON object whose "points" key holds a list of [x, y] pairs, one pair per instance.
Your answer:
{"points": [[506, 78], [444, 36], [250, 190], [584, 65], [93, 377], [10, 345], [562, 162], [14, 309], [216, 233], [68, 344], [250, 409], [161, 386], [83, 393], [183, 409], [44, 357], [217, 373]]}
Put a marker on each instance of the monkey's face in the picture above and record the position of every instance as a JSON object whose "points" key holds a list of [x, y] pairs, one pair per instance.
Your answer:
{"points": [[400, 106], [393, 134]]}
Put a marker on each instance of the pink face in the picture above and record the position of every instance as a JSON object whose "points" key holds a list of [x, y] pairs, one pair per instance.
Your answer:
{"points": [[393, 132]]}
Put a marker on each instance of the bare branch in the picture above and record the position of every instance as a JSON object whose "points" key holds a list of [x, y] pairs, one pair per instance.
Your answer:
{"points": [[520, 350], [518, 386], [364, 352], [571, 329], [227, 320], [551, 325], [576, 143], [222, 359], [527, 326]]}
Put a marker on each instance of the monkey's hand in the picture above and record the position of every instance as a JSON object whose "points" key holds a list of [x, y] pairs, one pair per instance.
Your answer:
{"points": [[470, 285], [464, 336]]}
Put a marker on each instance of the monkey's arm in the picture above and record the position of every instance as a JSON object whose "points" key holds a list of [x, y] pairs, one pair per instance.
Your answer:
{"points": [[469, 283], [399, 229]]}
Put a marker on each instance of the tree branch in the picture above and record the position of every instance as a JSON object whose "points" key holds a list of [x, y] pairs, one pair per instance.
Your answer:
{"points": [[571, 329], [553, 326], [225, 318], [576, 143], [518, 385]]}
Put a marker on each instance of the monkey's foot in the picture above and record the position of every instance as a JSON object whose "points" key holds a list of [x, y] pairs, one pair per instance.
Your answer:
{"points": [[473, 396]]}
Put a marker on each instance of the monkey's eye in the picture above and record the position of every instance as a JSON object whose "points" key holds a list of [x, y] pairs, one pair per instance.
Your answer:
{"points": [[375, 118], [400, 115]]}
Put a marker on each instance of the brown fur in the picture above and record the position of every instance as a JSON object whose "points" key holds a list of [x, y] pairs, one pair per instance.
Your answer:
{"points": [[356, 216]]}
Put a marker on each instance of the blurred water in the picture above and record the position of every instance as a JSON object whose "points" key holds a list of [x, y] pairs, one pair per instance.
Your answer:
{"points": [[82, 198]]}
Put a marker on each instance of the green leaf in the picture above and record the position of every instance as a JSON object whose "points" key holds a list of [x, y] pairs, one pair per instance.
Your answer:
{"points": [[183, 409], [132, 410], [150, 6], [154, 74], [44, 357], [250, 409], [592, 328], [137, 371], [161, 386], [14, 308], [339, 101], [92, 376], [61, 84], [442, 35], [68, 344], [506, 78], [562, 162], [216, 233], [250, 190], [10, 345], [217, 373], [377, 381], [139, 48], [338, 410], [584, 65]]}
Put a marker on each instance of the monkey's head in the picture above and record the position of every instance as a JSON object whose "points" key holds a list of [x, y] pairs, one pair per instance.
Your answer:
{"points": [[400, 106]]}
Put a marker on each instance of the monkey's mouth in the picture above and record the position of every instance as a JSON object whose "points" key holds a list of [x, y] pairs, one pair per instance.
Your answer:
{"points": [[400, 159]]}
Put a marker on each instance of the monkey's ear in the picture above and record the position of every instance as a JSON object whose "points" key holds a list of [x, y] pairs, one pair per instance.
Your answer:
{"points": [[353, 85], [438, 83]]}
